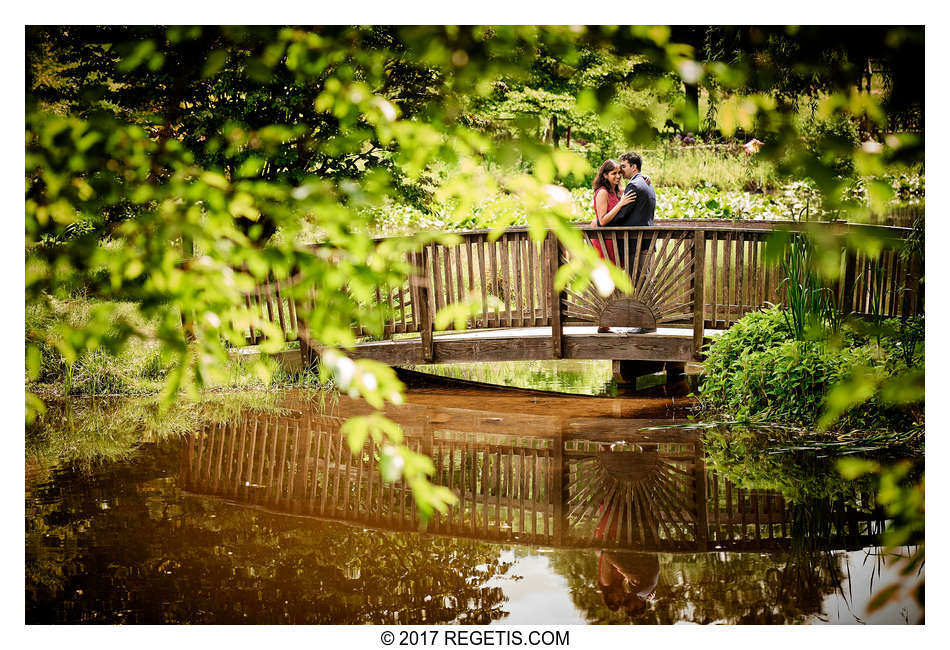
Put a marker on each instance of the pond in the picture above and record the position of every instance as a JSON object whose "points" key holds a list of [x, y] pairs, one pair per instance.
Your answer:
{"points": [[572, 509]]}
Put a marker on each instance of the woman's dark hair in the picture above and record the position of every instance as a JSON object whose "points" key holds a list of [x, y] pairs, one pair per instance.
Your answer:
{"points": [[600, 180]]}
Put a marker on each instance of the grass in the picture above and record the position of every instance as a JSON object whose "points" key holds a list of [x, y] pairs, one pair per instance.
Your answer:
{"points": [[723, 168], [137, 368]]}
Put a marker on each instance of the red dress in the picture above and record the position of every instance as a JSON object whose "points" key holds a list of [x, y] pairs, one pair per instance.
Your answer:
{"points": [[612, 200]]}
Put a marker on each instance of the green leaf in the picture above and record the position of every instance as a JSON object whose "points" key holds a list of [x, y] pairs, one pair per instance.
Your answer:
{"points": [[852, 468], [883, 597], [216, 60]]}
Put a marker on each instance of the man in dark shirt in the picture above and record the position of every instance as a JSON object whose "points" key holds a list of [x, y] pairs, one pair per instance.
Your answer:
{"points": [[640, 212]]}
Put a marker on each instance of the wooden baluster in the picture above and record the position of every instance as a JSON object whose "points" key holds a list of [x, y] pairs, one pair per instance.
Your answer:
{"points": [[496, 291], [740, 269], [699, 299], [557, 330], [516, 259], [726, 280], [530, 298], [506, 278], [427, 308], [484, 278], [280, 308], [459, 272]]}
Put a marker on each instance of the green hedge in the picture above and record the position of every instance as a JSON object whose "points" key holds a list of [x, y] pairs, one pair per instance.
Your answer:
{"points": [[758, 371]]}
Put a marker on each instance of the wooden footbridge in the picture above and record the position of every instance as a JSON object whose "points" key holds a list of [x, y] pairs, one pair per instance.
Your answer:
{"points": [[520, 477], [690, 278]]}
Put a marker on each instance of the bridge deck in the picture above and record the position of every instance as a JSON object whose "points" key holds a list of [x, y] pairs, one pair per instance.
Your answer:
{"points": [[533, 343]]}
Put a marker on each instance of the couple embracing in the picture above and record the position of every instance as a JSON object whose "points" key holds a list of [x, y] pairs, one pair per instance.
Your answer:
{"points": [[634, 206]]}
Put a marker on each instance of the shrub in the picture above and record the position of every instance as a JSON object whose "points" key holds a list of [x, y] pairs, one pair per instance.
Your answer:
{"points": [[757, 370]]}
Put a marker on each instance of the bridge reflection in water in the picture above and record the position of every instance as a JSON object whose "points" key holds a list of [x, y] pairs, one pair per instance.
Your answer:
{"points": [[567, 482]]}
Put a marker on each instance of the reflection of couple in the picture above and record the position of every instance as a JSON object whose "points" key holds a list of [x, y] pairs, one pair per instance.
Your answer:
{"points": [[626, 580]]}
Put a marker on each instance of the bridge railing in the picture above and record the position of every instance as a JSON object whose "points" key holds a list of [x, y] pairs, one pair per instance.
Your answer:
{"points": [[699, 274]]}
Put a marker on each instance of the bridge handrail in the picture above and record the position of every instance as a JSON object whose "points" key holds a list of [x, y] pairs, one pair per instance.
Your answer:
{"points": [[710, 272]]}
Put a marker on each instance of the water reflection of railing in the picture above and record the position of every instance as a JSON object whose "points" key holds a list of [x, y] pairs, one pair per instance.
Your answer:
{"points": [[592, 483]]}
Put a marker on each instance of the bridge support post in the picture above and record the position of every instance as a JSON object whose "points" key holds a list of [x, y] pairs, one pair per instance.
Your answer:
{"points": [[628, 371]]}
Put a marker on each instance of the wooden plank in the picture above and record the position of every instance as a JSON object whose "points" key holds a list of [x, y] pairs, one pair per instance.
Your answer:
{"points": [[532, 319], [403, 326], [471, 453], [497, 486], [726, 280], [330, 436], [357, 503], [451, 484], [282, 466], [758, 261], [619, 260], [389, 321], [714, 272], [416, 280], [522, 488], [456, 273], [318, 481], [485, 491], [292, 312], [890, 288], [483, 279], [633, 265], [426, 310], [337, 474], [506, 278], [448, 270], [466, 247], [544, 267], [520, 284], [280, 308], [493, 249], [646, 347], [436, 298], [740, 272], [850, 271], [510, 473], [699, 300], [557, 331]]}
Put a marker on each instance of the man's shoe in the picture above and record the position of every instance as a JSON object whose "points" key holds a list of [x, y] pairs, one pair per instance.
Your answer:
{"points": [[646, 330], [603, 330]]}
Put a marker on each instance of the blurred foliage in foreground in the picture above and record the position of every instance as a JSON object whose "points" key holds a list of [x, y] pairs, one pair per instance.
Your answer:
{"points": [[174, 168]]}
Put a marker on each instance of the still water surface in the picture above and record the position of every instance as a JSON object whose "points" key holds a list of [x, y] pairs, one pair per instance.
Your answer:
{"points": [[571, 510]]}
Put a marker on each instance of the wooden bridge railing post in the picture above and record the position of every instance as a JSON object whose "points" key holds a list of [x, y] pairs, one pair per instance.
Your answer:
{"points": [[699, 296], [553, 248], [426, 306]]}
